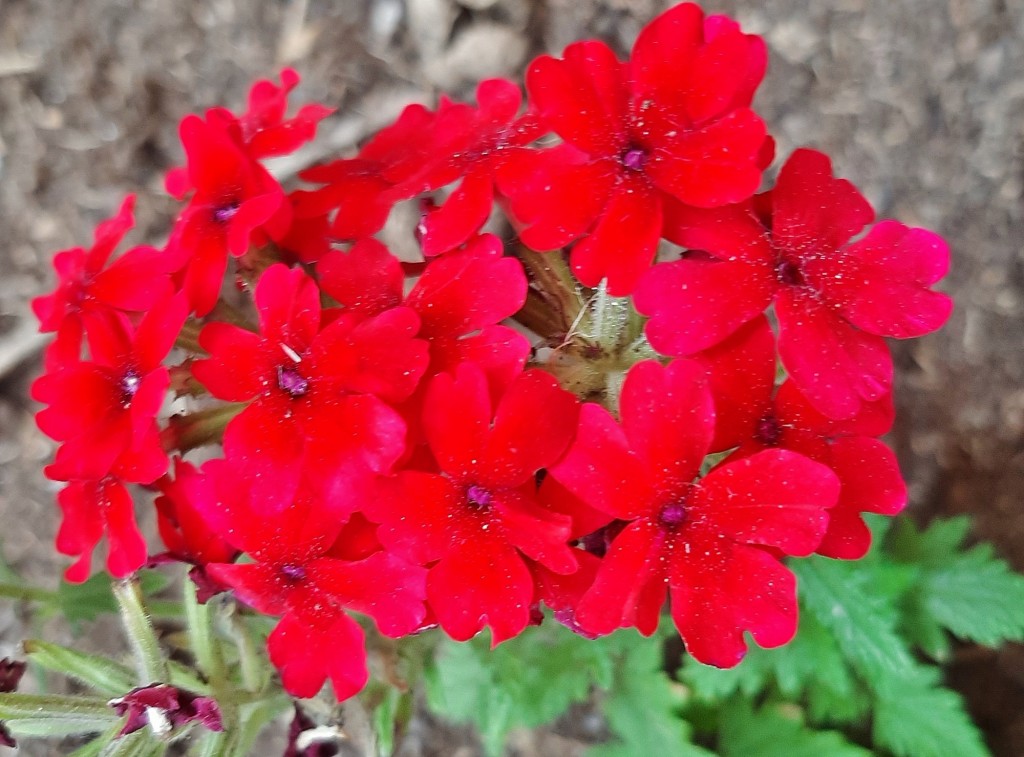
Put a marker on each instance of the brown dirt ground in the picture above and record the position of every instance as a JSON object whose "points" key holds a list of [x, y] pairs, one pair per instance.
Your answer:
{"points": [[921, 103]]}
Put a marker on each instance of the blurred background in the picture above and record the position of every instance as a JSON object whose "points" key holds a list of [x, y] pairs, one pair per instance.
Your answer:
{"points": [[919, 102]]}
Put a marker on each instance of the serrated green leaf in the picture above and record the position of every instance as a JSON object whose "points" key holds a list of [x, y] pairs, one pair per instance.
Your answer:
{"points": [[915, 717], [776, 732], [972, 594], [862, 623], [976, 596], [527, 681], [930, 547], [643, 706], [103, 674]]}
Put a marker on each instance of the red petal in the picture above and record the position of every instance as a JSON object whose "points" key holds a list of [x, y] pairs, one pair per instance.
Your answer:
{"points": [[457, 418], [727, 590], [238, 367], [695, 304], [632, 562], [461, 215], [555, 194], [539, 533], [289, 307], [776, 498], [668, 417], [886, 291], [366, 279], [835, 366], [622, 245], [741, 373], [307, 656], [583, 98], [813, 212], [481, 582], [266, 446], [533, 424], [732, 232], [469, 289], [715, 166], [421, 534], [600, 469], [382, 586]]}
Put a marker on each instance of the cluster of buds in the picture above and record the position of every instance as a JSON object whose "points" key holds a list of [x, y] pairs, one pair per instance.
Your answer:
{"points": [[583, 416]]}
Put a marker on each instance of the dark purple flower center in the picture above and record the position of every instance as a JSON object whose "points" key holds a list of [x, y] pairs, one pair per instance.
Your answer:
{"points": [[129, 385], [768, 430], [634, 159], [291, 381], [293, 572], [789, 273], [478, 497], [224, 213], [672, 516]]}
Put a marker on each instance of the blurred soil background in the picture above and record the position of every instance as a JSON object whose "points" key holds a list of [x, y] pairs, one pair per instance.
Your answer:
{"points": [[920, 103]]}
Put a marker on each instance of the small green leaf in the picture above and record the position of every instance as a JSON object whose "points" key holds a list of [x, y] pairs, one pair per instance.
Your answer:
{"points": [[643, 705], [55, 728], [106, 676], [87, 601], [916, 717], [839, 596], [777, 732], [16, 706], [525, 682]]}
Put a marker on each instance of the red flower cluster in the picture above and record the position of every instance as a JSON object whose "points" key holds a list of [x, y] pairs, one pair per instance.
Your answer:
{"points": [[393, 437]]}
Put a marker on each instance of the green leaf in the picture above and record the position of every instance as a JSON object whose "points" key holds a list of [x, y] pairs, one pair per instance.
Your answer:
{"points": [[527, 681], [915, 717], [139, 744], [972, 594], [15, 706], [87, 601], [839, 596], [643, 705], [55, 728], [103, 674], [777, 732]]}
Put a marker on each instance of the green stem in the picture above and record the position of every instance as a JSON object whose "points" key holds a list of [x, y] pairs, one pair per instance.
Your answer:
{"points": [[248, 654], [208, 653], [140, 632]]}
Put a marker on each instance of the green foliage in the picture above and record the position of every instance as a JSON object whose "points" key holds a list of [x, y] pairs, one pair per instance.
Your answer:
{"points": [[971, 593], [79, 603], [527, 681], [777, 732], [643, 706], [914, 716], [850, 684]]}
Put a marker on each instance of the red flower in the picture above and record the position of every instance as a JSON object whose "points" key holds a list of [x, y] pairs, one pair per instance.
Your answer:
{"points": [[869, 475], [422, 152], [92, 509], [460, 298], [713, 543], [477, 520], [674, 121], [104, 409], [834, 299], [296, 575], [306, 383], [185, 532], [236, 201], [262, 131], [87, 287], [361, 188], [470, 144]]}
